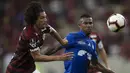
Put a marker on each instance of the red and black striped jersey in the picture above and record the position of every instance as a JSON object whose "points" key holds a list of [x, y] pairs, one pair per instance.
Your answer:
{"points": [[29, 40]]}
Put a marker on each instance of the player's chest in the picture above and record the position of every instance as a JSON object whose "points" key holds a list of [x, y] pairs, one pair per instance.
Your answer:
{"points": [[39, 39], [84, 43], [83, 49]]}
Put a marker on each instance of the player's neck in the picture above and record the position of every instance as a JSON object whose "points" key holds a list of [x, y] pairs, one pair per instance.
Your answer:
{"points": [[36, 29], [86, 33]]}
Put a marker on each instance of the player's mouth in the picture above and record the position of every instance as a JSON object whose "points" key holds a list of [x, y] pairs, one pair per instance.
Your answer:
{"points": [[89, 29], [45, 24]]}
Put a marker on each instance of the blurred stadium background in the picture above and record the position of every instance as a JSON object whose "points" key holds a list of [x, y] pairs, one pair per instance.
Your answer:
{"points": [[63, 16]]}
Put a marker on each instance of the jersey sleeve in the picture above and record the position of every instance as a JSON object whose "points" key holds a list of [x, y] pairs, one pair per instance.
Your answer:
{"points": [[33, 45], [100, 45], [70, 39], [99, 42], [47, 29]]}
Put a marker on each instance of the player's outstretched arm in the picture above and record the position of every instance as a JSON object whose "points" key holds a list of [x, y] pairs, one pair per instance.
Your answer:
{"points": [[56, 35], [44, 58], [102, 52], [103, 56]]}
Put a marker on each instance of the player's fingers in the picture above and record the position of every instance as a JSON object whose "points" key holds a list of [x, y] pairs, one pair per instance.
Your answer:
{"points": [[65, 41], [69, 53], [69, 58]]}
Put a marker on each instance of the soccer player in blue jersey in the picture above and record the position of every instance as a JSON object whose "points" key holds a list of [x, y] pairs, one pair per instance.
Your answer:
{"points": [[84, 49]]}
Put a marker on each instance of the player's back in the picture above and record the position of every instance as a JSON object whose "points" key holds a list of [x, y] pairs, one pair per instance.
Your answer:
{"points": [[83, 47], [22, 61]]}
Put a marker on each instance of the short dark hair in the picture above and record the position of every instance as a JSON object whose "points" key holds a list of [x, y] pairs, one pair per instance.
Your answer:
{"points": [[32, 12], [85, 16]]}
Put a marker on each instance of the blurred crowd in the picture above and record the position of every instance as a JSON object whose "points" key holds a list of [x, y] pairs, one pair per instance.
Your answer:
{"points": [[63, 16]]}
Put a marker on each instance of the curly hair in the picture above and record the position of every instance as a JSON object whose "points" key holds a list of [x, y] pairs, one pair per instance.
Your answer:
{"points": [[32, 12]]}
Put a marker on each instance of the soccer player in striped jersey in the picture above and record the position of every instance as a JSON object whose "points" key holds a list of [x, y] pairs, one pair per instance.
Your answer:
{"points": [[31, 41]]}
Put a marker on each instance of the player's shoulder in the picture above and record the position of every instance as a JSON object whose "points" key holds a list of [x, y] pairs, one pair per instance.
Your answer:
{"points": [[73, 34], [47, 29], [94, 35], [28, 32]]}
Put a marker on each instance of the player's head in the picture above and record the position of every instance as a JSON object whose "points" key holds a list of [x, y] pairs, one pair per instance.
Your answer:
{"points": [[35, 15], [86, 23]]}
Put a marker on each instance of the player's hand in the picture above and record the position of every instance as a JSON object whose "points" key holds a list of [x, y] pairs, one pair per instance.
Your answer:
{"points": [[66, 56], [65, 41], [104, 70]]}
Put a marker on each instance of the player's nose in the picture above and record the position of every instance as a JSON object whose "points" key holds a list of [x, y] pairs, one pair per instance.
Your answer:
{"points": [[89, 26], [45, 20]]}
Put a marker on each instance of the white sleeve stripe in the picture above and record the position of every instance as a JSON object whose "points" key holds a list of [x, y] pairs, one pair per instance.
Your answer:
{"points": [[51, 29], [33, 50], [100, 45]]}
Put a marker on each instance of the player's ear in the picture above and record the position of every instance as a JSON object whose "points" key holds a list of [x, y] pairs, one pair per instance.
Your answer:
{"points": [[80, 25]]}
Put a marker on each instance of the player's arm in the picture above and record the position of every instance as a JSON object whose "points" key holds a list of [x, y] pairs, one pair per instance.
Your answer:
{"points": [[69, 39], [100, 67], [97, 65], [35, 52], [56, 35], [103, 56], [44, 58], [102, 53]]}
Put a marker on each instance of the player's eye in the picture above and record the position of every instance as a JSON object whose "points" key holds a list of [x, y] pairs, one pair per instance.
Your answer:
{"points": [[42, 17], [88, 23]]}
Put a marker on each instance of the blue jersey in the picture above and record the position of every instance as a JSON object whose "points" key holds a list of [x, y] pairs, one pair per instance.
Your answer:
{"points": [[84, 49]]}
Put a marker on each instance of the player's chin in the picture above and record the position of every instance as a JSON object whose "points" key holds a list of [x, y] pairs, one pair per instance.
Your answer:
{"points": [[44, 25], [89, 30]]}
